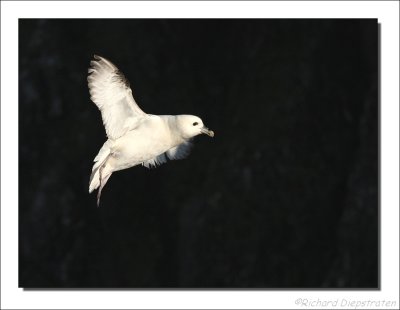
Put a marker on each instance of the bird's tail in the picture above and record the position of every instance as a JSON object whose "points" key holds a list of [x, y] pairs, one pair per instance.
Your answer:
{"points": [[100, 162]]}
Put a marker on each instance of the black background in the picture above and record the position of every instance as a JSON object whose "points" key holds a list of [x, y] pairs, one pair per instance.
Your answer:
{"points": [[284, 196]]}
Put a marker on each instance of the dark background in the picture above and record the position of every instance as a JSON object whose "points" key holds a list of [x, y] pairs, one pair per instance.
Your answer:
{"points": [[284, 196]]}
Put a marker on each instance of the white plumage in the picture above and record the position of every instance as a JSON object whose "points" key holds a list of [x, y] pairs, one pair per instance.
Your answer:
{"points": [[134, 137]]}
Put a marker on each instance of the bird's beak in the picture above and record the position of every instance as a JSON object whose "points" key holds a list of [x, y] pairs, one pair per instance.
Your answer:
{"points": [[207, 131]]}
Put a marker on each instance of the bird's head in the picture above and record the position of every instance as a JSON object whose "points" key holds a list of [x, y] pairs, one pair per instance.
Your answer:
{"points": [[191, 126]]}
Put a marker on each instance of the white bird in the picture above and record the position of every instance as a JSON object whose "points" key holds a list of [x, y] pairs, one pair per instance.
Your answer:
{"points": [[134, 137]]}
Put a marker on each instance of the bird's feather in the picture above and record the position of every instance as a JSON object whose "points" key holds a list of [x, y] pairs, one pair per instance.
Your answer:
{"points": [[155, 161], [178, 152]]}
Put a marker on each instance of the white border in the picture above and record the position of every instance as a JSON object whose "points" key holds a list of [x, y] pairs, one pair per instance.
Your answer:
{"points": [[15, 298]]}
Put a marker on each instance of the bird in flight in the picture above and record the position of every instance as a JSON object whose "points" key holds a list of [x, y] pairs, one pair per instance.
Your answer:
{"points": [[134, 137]]}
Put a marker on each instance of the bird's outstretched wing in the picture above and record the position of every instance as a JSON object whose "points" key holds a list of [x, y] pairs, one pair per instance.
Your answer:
{"points": [[110, 91], [177, 152], [180, 152]]}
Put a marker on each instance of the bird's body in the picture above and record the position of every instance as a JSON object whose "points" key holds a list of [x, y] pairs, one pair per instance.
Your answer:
{"points": [[134, 137]]}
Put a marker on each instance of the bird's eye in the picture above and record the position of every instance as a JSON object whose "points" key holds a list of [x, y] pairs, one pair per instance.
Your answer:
{"points": [[195, 123]]}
